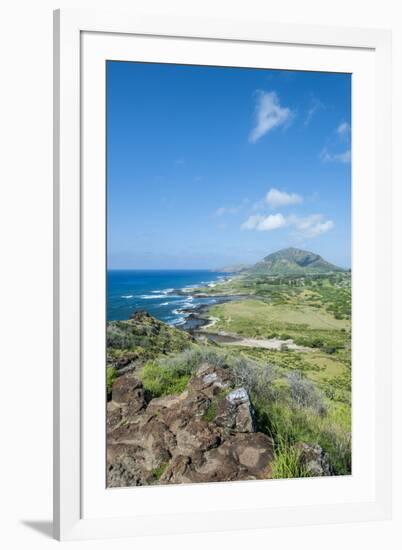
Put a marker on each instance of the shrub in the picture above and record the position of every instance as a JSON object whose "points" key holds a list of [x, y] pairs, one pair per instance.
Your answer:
{"points": [[111, 375], [304, 393]]}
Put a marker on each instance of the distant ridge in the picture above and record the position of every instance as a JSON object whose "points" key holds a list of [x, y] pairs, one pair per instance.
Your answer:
{"points": [[236, 268], [293, 261]]}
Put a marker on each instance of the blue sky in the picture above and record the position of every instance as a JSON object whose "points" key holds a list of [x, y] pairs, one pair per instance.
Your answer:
{"points": [[211, 166]]}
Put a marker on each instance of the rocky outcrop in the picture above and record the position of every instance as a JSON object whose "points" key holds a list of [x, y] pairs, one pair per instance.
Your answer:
{"points": [[207, 433], [131, 343], [314, 459]]}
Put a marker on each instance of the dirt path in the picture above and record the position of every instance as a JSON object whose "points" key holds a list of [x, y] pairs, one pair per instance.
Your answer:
{"points": [[267, 343], [232, 339]]}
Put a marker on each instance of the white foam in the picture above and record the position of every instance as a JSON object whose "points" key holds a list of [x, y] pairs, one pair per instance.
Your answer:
{"points": [[180, 312], [179, 321], [128, 296]]}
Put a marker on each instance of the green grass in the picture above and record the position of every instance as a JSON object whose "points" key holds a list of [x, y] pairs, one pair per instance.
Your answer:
{"points": [[170, 374], [158, 472], [289, 424], [255, 318], [159, 380], [286, 463], [210, 413], [111, 375], [305, 325]]}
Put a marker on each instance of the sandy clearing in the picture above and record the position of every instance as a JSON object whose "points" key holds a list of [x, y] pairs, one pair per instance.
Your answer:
{"points": [[267, 343]]}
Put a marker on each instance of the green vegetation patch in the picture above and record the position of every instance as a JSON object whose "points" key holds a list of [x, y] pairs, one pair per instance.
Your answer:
{"points": [[111, 375], [210, 413], [142, 338], [289, 424], [255, 318], [286, 463], [159, 471], [170, 375], [161, 380]]}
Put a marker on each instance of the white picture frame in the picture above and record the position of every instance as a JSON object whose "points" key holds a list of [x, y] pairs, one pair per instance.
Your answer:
{"points": [[83, 507]]}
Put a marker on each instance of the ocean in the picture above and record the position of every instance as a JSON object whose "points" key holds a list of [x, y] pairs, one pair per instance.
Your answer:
{"points": [[129, 291]]}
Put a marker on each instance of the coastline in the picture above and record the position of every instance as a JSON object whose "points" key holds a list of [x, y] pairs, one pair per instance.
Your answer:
{"points": [[197, 316], [169, 295]]}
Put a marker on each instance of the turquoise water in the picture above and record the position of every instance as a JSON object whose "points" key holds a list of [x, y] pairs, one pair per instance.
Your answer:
{"points": [[129, 291]]}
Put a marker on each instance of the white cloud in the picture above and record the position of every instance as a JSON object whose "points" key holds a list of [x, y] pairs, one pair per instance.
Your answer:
{"points": [[273, 221], [226, 210], [343, 129], [315, 105], [276, 198], [343, 158], [307, 227], [343, 134], [231, 209], [312, 226], [269, 115], [265, 223]]}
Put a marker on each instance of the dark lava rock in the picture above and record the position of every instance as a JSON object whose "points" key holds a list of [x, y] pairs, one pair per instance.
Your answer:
{"points": [[169, 439]]}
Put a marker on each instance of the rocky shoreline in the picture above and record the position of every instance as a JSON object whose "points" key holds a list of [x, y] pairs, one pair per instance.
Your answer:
{"points": [[198, 316]]}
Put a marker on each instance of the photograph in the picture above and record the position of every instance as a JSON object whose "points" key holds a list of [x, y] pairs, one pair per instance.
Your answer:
{"points": [[228, 269]]}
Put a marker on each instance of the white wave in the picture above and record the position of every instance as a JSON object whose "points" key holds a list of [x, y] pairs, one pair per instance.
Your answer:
{"points": [[180, 312], [128, 296], [179, 321], [186, 303], [164, 304], [152, 296]]}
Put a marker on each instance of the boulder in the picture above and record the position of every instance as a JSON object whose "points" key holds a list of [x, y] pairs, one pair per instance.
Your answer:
{"points": [[314, 459], [114, 415], [129, 392], [240, 457], [235, 411], [210, 380]]}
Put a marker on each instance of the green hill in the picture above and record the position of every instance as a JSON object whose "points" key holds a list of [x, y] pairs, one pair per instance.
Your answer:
{"points": [[293, 261]]}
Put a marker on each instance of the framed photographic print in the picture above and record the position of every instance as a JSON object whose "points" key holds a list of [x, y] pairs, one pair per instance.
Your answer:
{"points": [[222, 275]]}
